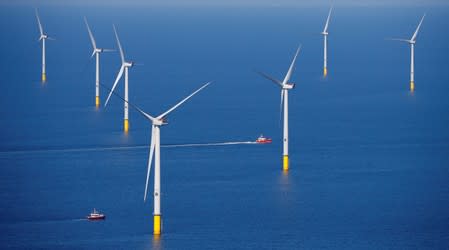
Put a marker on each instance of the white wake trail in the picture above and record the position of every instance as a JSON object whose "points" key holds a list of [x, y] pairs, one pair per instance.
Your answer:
{"points": [[207, 144], [93, 149]]}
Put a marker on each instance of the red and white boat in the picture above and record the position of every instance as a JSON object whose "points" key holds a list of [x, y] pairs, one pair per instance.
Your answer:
{"points": [[262, 140], [96, 216]]}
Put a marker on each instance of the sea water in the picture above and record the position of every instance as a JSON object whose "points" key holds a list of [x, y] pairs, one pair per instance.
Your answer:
{"points": [[369, 161]]}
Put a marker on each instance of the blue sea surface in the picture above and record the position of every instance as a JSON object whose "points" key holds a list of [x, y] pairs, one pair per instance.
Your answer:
{"points": [[369, 160]]}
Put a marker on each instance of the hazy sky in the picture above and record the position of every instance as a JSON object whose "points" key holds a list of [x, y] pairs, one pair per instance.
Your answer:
{"points": [[236, 3]]}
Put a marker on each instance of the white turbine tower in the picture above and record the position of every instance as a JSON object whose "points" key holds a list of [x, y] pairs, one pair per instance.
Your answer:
{"points": [[412, 42], [42, 38], [325, 34], [285, 87], [155, 146], [96, 52], [124, 67]]}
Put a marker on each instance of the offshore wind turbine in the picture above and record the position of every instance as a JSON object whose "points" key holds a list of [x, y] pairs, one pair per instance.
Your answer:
{"points": [[42, 38], [125, 66], [412, 42], [325, 34], [285, 87], [96, 51], [155, 145]]}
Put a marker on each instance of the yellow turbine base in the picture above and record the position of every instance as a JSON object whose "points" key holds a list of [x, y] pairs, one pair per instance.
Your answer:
{"points": [[97, 101], [412, 86], [126, 125], [44, 77], [325, 72], [157, 225], [285, 167]]}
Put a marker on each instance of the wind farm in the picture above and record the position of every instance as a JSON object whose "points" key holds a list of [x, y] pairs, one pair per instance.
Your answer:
{"points": [[351, 160]]}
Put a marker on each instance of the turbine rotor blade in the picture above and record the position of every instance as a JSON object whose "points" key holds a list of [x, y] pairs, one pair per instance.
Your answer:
{"points": [[92, 39], [327, 21], [120, 73], [150, 159], [290, 70], [149, 117], [93, 53], [417, 29], [276, 81], [398, 39], [181, 102], [119, 45], [282, 102], [108, 50], [39, 23]]}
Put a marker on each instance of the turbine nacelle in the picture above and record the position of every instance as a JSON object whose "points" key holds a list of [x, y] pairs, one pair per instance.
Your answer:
{"points": [[160, 122], [128, 64], [288, 86], [325, 33], [43, 37], [96, 51]]}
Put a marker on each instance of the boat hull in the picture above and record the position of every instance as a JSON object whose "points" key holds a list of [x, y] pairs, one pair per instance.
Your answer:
{"points": [[266, 141], [96, 217]]}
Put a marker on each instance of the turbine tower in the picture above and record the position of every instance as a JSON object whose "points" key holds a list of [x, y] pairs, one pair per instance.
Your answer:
{"points": [[285, 87], [96, 52], [412, 42], [325, 34], [156, 123], [125, 66], [42, 38]]}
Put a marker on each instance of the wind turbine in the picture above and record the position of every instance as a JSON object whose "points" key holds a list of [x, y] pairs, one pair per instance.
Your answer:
{"points": [[285, 87], [42, 38], [325, 34], [155, 145], [124, 67], [412, 42], [96, 52]]}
